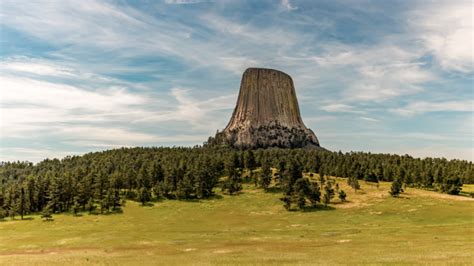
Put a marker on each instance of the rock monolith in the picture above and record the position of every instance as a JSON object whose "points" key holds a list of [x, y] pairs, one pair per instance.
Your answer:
{"points": [[266, 114]]}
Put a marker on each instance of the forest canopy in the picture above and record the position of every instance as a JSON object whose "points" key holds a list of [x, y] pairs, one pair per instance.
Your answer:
{"points": [[100, 181]]}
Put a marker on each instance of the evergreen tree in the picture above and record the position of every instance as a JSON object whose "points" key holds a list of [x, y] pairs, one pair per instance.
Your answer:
{"points": [[250, 162], [21, 203], [185, 186], [301, 190], [286, 202], [76, 206], [233, 183], [370, 177], [55, 192], [396, 187], [328, 193], [353, 182], [144, 195], [293, 175], [99, 178], [12, 212], [3, 212], [81, 196], [266, 177], [342, 195], [281, 172], [315, 194], [90, 206], [46, 214], [322, 180], [451, 185]]}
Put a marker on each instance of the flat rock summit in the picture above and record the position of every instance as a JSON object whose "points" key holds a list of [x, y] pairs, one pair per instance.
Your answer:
{"points": [[266, 114]]}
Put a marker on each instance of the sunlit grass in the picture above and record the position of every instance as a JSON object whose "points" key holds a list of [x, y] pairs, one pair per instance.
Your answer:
{"points": [[254, 228]]}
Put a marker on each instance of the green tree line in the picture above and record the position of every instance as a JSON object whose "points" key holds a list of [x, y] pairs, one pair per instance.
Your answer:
{"points": [[101, 181]]}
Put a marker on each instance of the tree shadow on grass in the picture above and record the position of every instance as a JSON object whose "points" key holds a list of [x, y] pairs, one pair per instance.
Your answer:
{"points": [[112, 213], [97, 212], [17, 219], [273, 190], [213, 197], [466, 194], [318, 208], [341, 202], [147, 204]]}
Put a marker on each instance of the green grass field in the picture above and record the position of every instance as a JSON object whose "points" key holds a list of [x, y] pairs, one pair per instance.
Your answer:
{"points": [[253, 228]]}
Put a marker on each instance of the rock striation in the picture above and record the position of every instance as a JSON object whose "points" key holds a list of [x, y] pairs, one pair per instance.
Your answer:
{"points": [[266, 114]]}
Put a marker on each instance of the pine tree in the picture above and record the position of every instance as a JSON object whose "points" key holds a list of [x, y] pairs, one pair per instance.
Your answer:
{"points": [[250, 162], [144, 195], [233, 183], [286, 202], [281, 172], [266, 177], [46, 214], [328, 193], [185, 186], [12, 212], [21, 203], [354, 183], [322, 180], [294, 173], [451, 185], [80, 196], [55, 192], [396, 187], [301, 190], [315, 194], [3, 212], [90, 206], [342, 195], [76, 206], [113, 193]]}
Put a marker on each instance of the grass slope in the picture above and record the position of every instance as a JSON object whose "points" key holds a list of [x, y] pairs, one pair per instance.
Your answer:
{"points": [[253, 228]]}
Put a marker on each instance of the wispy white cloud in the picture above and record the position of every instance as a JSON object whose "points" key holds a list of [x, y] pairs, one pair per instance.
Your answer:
{"points": [[24, 91], [185, 2], [447, 30], [421, 107], [36, 107], [200, 114], [118, 137], [340, 108], [370, 119], [287, 5], [128, 71], [35, 66], [439, 151], [33, 154], [374, 75]]}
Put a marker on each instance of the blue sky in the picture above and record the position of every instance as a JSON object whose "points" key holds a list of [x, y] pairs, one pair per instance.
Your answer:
{"points": [[378, 76]]}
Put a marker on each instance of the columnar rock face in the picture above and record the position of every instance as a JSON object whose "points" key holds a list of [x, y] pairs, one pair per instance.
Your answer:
{"points": [[267, 114]]}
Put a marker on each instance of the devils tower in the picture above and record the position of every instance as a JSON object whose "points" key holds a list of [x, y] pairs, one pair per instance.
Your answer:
{"points": [[266, 114]]}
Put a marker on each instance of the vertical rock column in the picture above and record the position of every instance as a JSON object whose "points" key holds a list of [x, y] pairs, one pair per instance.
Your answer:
{"points": [[266, 114]]}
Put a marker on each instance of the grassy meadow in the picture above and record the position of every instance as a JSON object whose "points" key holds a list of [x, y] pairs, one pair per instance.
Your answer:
{"points": [[254, 228]]}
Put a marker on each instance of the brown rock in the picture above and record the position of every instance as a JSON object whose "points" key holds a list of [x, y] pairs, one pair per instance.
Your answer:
{"points": [[267, 114]]}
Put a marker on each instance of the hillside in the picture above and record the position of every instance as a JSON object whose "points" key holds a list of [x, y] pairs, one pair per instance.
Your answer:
{"points": [[253, 227], [99, 182]]}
